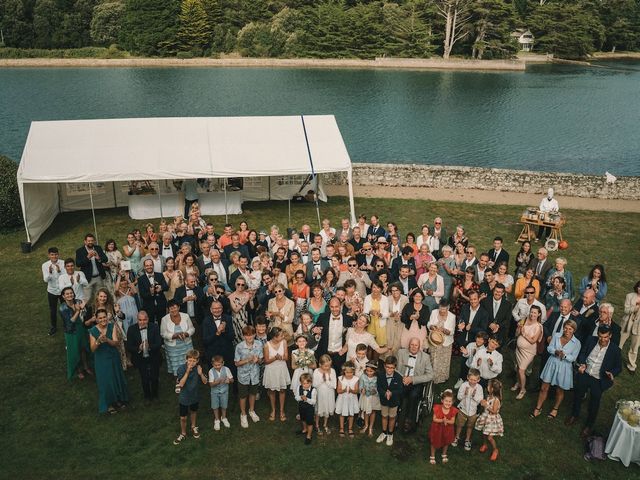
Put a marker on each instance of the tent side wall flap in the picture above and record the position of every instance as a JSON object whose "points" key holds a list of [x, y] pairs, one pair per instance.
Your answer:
{"points": [[117, 151]]}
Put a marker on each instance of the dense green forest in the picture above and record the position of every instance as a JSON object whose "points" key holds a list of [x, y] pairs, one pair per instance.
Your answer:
{"points": [[322, 28]]}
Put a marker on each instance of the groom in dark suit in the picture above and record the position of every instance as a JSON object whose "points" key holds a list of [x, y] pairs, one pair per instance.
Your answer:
{"points": [[152, 286], [144, 344]]}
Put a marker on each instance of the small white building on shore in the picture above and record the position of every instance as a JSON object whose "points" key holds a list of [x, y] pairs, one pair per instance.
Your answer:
{"points": [[524, 38]]}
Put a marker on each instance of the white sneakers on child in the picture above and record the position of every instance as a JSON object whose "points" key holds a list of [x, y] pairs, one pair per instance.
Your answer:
{"points": [[226, 423], [253, 416], [216, 425], [458, 384], [381, 438], [389, 440], [244, 423]]}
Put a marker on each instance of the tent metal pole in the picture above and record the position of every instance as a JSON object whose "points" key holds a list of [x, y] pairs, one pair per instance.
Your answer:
{"points": [[315, 177], [289, 202], [351, 203], [24, 210], [226, 214], [93, 214], [160, 199]]}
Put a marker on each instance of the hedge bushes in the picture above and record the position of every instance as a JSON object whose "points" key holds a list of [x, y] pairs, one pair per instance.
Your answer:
{"points": [[86, 52], [11, 212]]}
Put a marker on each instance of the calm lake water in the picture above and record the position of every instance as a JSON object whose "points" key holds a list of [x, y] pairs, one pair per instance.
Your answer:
{"points": [[551, 118]]}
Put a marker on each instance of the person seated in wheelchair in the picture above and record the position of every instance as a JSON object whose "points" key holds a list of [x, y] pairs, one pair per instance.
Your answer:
{"points": [[415, 367]]}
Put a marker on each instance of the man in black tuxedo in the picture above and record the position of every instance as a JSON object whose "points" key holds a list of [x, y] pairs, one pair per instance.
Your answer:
{"points": [[541, 265], [191, 298], [497, 254], [167, 247], [473, 319], [217, 336], [405, 259], [144, 343], [585, 311], [92, 260], [332, 327], [151, 286], [499, 311], [599, 362]]}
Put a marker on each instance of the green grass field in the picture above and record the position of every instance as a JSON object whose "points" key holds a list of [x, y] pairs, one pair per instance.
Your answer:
{"points": [[51, 429]]}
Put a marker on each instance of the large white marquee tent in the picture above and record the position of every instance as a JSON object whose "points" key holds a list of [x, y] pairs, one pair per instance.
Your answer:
{"points": [[110, 153]]}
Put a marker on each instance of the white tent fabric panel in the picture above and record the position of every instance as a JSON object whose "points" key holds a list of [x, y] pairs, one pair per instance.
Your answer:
{"points": [[40, 202]]}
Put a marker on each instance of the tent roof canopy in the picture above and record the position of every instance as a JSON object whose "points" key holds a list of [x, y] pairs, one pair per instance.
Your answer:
{"points": [[71, 151]]}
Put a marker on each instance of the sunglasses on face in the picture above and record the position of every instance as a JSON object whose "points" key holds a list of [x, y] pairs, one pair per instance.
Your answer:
{"points": [[368, 249], [353, 264], [530, 293], [279, 291], [241, 284]]}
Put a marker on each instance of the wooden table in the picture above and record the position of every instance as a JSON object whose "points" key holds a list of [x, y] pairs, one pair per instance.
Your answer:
{"points": [[532, 217]]}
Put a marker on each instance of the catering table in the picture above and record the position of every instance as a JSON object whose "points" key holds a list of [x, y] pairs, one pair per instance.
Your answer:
{"points": [[212, 203], [624, 442], [148, 206]]}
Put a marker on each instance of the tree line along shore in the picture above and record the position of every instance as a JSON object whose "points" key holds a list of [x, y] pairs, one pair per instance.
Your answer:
{"points": [[324, 29]]}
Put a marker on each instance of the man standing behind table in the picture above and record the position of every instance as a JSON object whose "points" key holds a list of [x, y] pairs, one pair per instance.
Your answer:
{"points": [[547, 205], [51, 270], [599, 362], [144, 343], [92, 260], [151, 286]]}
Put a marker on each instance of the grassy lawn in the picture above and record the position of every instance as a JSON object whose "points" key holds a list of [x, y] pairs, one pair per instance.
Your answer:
{"points": [[51, 429]]}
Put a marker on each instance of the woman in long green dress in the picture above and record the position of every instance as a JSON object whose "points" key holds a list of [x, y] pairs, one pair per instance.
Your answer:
{"points": [[75, 335], [112, 386]]}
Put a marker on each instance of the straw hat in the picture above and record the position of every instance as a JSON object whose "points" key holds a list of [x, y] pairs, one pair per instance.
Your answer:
{"points": [[436, 338], [382, 240]]}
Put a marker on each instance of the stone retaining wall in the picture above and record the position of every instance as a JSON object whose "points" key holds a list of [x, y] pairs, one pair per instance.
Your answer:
{"points": [[436, 176]]}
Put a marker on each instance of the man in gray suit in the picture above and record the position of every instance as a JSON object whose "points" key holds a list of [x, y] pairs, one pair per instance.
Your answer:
{"points": [[415, 367]]}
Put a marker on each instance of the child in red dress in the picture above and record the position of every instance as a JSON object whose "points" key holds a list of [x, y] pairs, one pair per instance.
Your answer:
{"points": [[441, 432]]}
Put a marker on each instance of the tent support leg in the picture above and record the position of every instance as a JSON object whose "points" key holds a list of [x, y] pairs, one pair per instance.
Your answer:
{"points": [[160, 199], [352, 208], [226, 213], [93, 213]]}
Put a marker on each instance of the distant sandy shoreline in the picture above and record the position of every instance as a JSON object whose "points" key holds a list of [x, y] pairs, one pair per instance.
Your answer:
{"points": [[381, 63]]}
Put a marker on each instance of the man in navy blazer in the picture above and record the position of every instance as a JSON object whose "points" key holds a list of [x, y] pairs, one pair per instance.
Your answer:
{"points": [[405, 259], [91, 260], [585, 311], [469, 327], [599, 362], [332, 327], [217, 336], [497, 254], [151, 286], [191, 292], [375, 230], [145, 343], [589, 327]]}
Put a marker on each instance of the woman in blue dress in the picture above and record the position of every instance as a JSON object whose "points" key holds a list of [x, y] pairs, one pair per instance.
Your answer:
{"points": [[112, 386], [446, 267], [563, 350]]}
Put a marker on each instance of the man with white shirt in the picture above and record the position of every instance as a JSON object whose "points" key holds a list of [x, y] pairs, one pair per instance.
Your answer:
{"points": [[499, 310], [306, 234], [473, 319], [167, 248], [145, 344], [191, 299], [438, 238], [521, 309], [541, 265], [51, 270], [481, 267], [345, 229], [91, 259], [74, 279], [331, 326], [497, 254], [547, 204], [470, 259], [151, 287], [305, 253], [406, 280], [316, 267], [415, 367], [220, 267], [599, 362], [204, 260], [375, 231], [155, 257]]}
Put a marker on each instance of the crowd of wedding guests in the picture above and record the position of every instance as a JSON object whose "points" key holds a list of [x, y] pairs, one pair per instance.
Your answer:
{"points": [[354, 320]]}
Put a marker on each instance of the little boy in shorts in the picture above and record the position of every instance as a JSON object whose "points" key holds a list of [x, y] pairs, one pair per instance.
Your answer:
{"points": [[219, 379], [468, 352], [390, 392], [248, 357], [470, 395], [189, 373]]}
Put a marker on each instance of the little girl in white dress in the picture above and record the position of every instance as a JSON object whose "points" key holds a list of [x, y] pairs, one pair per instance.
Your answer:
{"points": [[347, 402], [324, 380]]}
